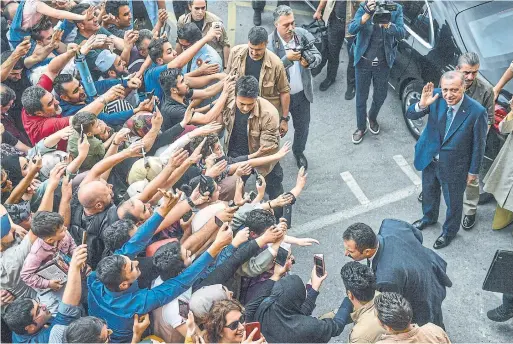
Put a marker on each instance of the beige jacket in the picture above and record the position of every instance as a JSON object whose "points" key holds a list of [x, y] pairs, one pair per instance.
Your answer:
{"points": [[217, 44], [351, 7], [263, 127], [273, 78], [429, 333], [367, 328]]}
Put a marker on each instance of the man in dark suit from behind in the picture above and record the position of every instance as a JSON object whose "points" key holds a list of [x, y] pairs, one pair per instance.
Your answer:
{"points": [[449, 151], [401, 264]]}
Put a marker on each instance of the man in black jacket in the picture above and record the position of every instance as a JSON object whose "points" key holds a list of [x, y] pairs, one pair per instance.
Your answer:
{"points": [[401, 264]]}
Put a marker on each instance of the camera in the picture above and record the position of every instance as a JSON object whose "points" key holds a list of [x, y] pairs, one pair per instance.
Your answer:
{"points": [[303, 46], [383, 13]]}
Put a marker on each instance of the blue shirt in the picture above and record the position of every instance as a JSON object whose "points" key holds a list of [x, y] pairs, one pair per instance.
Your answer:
{"points": [[141, 238], [102, 86], [118, 308], [206, 54], [151, 80], [66, 314]]}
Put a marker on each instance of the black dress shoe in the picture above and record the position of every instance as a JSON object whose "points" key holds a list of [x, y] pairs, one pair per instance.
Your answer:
{"points": [[468, 222], [257, 18], [350, 93], [441, 242], [419, 198], [420, 225], [326, 84], [485, 197], [301, 161], [500, 314]]}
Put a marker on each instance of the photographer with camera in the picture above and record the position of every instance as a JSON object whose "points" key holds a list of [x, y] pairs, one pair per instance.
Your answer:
{"points": [[379, 27], [295, 47]]}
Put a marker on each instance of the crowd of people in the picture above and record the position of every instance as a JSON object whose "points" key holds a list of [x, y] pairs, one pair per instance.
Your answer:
{"points": [[142, 194]]}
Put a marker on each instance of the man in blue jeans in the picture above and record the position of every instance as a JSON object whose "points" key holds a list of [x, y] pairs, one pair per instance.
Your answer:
{"points": [[374, 55], [504, 312]]}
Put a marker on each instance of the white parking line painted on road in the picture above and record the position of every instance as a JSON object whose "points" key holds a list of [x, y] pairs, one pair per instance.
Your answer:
{"points": [[355, 188], [358, 210], [403, 164]]}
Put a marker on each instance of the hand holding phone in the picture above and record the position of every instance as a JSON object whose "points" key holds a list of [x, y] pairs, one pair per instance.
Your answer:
{"points": [[320, 269], [283, 254], [183, 308], [250, 327]]}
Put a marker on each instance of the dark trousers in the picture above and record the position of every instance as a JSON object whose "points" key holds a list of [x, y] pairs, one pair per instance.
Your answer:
{"points": [[350, 73], [507, 301], [336, 33], [258, 5], [453, 196], [300, 112], [180, 7], [274, 186], [365, 73]]}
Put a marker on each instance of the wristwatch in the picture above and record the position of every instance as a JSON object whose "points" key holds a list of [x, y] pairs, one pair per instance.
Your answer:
{"points": [[286, 119], [191, 203]]}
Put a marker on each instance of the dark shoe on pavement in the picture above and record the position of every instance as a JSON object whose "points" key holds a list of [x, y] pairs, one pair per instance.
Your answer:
{"points": [[350, 93], [468, 222], [326, 84], [301, 161], [257, 18], [358, 136], [500, 314], [419, 198], [441, 242], [420, 225], [485, 197], [373, 126]]}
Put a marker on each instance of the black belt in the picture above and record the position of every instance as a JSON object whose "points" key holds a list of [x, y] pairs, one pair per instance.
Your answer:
{"points": [[373, 63], [435, 159]]}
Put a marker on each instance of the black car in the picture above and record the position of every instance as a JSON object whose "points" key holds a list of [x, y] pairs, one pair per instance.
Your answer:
{"points": [[437, 33]]}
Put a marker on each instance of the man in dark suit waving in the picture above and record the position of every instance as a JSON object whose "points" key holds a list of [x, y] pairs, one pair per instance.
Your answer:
{"points": [[449, 151], [402, 265]]}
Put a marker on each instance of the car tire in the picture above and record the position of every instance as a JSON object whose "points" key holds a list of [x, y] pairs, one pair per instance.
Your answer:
{"points": [[411, 94]]}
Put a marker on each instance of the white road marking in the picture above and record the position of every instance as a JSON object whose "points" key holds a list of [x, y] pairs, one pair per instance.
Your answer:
{"points": [[407, 169], [355, 188], [337, 217]]}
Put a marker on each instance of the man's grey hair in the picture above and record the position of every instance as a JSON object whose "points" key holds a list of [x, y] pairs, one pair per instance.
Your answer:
{"points": [[143, 34], [31, 99], [282, 10], [469, 58], [451, 75]]}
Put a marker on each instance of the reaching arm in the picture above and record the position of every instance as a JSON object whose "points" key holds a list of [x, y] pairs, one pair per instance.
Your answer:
{"points": [[48, 11], [506, 77], [11, 61], [20, 189], [73, 289], [59, 62], [181, 60]]}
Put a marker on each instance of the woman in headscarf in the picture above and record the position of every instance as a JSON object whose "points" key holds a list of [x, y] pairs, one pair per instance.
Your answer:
{"points": [[285, 316], [203, 299]]}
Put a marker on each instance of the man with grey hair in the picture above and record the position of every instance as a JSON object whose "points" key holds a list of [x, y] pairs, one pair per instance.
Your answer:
{"points": [[295, 47], [449, 151]]}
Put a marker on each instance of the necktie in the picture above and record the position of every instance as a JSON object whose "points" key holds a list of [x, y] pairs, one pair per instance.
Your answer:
{"points": [[448, 122], [368, 262]]}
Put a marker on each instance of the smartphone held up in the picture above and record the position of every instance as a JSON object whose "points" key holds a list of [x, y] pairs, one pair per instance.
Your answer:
{"points": [[320, 268]]}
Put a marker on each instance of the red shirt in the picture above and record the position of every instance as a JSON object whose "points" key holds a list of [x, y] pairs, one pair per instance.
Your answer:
{"points": [[37, 127]]}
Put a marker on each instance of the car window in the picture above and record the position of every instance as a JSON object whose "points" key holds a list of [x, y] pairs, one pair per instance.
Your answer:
{"points": [[417, 18], [486, 30]]}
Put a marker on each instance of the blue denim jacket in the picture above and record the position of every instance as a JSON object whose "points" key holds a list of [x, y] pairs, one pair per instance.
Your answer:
{"points": [[392, 35]]}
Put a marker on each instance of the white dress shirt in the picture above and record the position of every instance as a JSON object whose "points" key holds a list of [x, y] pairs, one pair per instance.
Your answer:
{"points": [[296, 83]]}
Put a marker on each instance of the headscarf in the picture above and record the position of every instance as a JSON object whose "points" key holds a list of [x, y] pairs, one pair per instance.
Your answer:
{"points": [[139, 124], [203, 299], [138, 172], [281, 318], [12, 165]]}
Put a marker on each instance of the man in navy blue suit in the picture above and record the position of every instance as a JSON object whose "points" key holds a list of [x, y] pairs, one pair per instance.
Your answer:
{"points": [[449, 151]]}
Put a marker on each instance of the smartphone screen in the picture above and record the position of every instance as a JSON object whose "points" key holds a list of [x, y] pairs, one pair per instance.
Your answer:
{"points": [[149, 95], [283, 254], [218, 221], [84, 237], [319, 264], [183, 309], [287, 214], [252, 195], [249, 327]]}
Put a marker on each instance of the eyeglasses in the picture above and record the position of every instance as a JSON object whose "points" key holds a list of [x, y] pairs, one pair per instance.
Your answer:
{"points": [[235, 325]]}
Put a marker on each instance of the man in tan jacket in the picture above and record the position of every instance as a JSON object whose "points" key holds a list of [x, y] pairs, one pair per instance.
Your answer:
{"points": [[395, 314], [252, 122], [255, 59], [360, 284], [205, 20]]}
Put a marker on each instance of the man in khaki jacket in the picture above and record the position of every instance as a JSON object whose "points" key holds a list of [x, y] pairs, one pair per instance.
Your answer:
{"points": [[204, 20], [252, 122], [255, 59], [360, 284], [395, 315]]}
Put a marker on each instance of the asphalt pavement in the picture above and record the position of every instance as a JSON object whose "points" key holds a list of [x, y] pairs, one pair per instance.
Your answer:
{"points": [[367, 183]]}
